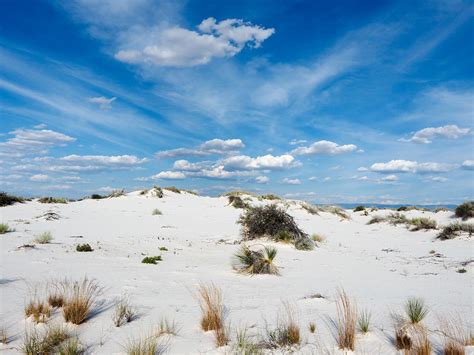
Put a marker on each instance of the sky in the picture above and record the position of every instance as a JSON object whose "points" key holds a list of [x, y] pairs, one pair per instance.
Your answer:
{"points": [[329, 102]]}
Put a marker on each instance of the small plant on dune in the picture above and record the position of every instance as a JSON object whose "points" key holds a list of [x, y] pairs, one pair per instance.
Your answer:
{"points": [[422, 223], [80, 298], [151, 259], [346, 321], [416, 310], [397, 218], [256, 262], [270, 197], [156, 212], [363, 321], [7, 200], [453, 230], [4, 338], [44, 238], [167, 327], [40, 311], [124, 312], [312, 327], [149, 345], [314, 210], [317, 238], [97, 197], [52, 200], [454, 334], [84, 248], [46, 342], [163, 249], [270, 221], [421, 342], [4, 228], [359, 209], [212, 308], [56, 292], [71, 347], [244, 343], [157, 191], [237, 201], [287, 331], [465, 210], [116, 193], [173, 189], [376, 219]]}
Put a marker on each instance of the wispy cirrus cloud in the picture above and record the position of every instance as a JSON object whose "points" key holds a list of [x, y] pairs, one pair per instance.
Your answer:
{"points": [[409, 166], [103, 102]]}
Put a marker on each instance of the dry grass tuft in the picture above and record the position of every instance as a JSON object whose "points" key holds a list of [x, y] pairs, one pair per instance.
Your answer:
{"points": [[167, 327], [287, 332], [212, 308], [455, 336], [346, 321], [5, 228], [124, 312], [79, 300], [44, 238], [150, 345], [256, 261], [40, 311], [317, 238], [46, 342], [245, 344]]}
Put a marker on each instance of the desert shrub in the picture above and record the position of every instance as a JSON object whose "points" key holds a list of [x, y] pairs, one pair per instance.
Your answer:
{"points": [[376, 219], [397, 218], [212, 308], [287, 331], [346, 321], [441, 209], [336, 210], [84, 248], [256, 261], [403, 208], [44, 238], [157, 191], [359, 209], [163, 248], [314, 210], [312, 327], [420, 223], [7, 200], [416, 310], [80, 297], [317, 238], [156, 212], [269, 197], [453, 230], [173, 189], [237, 201], [52, 200], [124, 312], [40, 311], [151, 259], [116, 193], [465, 210], [270, 221], [363, 321], [97, 197], [4, 228], [46, 342], [71, 347], [167, 327]]}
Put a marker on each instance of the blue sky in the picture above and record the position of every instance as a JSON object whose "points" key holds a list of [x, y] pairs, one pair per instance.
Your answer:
{"points": [[350, 101]]}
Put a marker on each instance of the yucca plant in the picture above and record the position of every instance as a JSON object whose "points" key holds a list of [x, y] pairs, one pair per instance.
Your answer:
{"points": [[416, 310], [363, 321], [256, 262]]}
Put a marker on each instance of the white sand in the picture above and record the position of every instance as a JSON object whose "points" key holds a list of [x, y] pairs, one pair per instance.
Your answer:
{"points": [[379, 265]]}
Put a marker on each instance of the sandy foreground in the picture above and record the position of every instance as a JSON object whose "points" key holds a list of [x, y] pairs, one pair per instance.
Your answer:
{"points": [[379, 265]]}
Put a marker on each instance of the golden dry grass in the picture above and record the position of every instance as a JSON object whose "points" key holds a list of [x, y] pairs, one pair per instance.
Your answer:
{"points": [[212, 308], [80, 297], [346, 321], [40, 311], [455, 336]]}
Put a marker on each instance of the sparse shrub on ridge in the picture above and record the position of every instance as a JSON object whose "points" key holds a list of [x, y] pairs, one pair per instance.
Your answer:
{"points": [[417, 223], [465, 210], [359, 209], [4, 228], [237, 202], [271, 221], [453, 230], [420, 223], [151, 259], [173, 189], [84, 248], [157, 191], [116, 193], [310, 208], [52, 200], [270, 197], [7, 200], [97, 197], [256, 261]]}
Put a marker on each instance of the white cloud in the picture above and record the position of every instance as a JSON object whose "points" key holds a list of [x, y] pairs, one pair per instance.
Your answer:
{"points": [[262, 162], [188, 166], [292, 181], [39, 178], [298, 141], [327, 178], [113, 160], [312, 178], [181, 47], [426, 135], [213, 146], [468, 164], [362, 169], [169, 175], [103, 102], [390, 178], [437, 179], [262, 179], [219, 172], [408, 166], [324, 147]]}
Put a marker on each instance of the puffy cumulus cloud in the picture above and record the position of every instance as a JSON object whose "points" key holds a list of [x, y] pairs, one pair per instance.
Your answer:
{"points": [[324, 147], [426, 135], [408, 166], [111, 160], [188, 166], [211, 147], [39, 178], [32, 141], [468, 165], [169, 175], [390, 178], [262, 162], [103, 102], [262, 179], [219, 172], [292, 181], [180, 47]]}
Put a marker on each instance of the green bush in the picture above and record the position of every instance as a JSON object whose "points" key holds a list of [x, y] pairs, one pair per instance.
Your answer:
{"points": [[274, 223], [5, 228], [465, 210], [52, 200], [269, 197], [156, 212], [173, 189], [256, 261], [97, 197], [455, 229], [163, 248], [7, 200], [84, 248], [151, 259], [359, 208]]}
